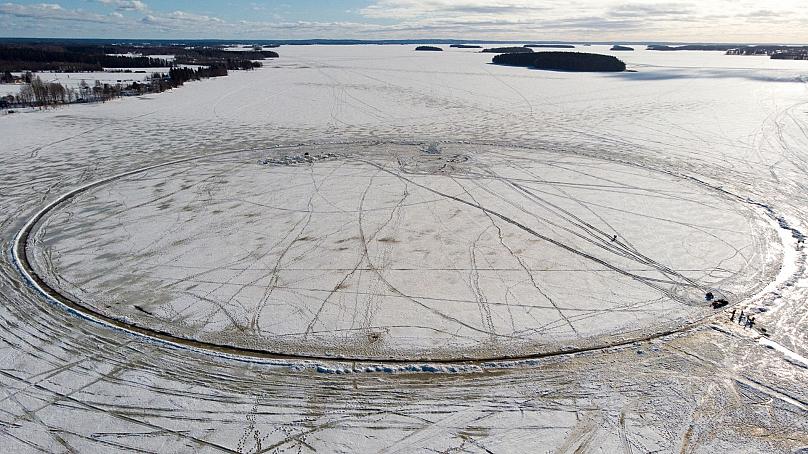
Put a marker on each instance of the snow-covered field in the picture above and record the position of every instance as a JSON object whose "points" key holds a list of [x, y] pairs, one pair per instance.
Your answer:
{"points": [[73, 80], [453, 209], [9, 89], [112, 76]]}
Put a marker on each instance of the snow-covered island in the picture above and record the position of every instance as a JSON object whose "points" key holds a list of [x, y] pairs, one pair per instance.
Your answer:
{"points": [[563, 61]]}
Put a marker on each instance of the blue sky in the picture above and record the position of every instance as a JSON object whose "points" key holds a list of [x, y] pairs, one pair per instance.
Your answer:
{"points": [[784, 21]]}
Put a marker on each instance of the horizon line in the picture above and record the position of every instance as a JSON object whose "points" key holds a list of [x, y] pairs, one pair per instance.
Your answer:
{"points": [[402, 41]]}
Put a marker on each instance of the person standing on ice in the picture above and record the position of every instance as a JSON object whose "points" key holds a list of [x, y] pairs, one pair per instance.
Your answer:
{"points": [[732, 316]]}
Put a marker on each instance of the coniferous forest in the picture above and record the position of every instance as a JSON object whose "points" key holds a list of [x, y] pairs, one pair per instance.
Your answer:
{"points": [[563, 61]]}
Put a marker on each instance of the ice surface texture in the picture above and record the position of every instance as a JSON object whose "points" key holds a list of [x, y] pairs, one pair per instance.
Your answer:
{"points": [[398, 251]]}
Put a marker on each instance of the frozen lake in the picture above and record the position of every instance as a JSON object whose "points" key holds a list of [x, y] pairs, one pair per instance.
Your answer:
{"points": [[395, 251], [455, 209]]}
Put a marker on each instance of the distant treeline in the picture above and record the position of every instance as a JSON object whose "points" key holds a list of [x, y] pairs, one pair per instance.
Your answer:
{"points": [[16, 57], [37, 93], [429, 48], [508, 50], [790, 55], [716, 47], [563, 61], [200, 55], [178, 76], [551, 46], [7, 78], [776, 52], [465, 46], [80, 58]]}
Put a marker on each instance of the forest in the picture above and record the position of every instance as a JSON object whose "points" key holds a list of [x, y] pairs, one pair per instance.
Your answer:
{"points": [[41, 57], [563, 61], [89, 57]]}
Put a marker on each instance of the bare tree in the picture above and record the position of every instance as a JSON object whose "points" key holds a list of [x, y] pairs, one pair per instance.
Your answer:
{"points": [[26, 95], [40, 91]]}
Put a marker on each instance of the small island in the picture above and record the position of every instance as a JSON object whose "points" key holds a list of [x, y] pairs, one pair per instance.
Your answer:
{"points": [[508, 50], [563, 61], [701, 47], [429, 48], [618, 47], [551, 46], [465, 46]]}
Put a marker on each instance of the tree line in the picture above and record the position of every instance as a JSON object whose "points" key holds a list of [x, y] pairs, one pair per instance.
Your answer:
{"points": [[81, 58], [508, 50], [39, 93], [775, 52], [197, 55], [19, 57]]}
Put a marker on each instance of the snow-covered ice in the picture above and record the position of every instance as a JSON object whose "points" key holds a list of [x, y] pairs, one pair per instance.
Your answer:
{"points": [[696, 162], [387, 251]]}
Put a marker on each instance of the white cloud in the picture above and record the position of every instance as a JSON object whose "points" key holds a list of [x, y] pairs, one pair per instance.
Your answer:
{"points": [[583, 20], [673, 20], [126, 5], [50, 11], [183, 21], [419, 9], [655, 11], [176, 20]]}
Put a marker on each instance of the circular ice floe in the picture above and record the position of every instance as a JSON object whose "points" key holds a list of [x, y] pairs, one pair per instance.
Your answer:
{"points": [[405, 252]]}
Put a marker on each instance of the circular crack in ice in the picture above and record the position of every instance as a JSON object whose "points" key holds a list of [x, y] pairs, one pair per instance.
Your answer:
{"points": [[394, 251]]}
